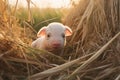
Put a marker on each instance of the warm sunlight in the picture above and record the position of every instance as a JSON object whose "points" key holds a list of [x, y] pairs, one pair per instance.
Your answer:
{"points": [[59, 39], [43, 3]]}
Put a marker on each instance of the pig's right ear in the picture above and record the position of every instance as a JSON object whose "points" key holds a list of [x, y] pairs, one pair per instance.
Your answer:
{"points": [[41, 32], [68, 31]]}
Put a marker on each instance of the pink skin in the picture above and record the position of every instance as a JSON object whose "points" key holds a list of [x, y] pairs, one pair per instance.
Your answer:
{"points": [[52, 37]]}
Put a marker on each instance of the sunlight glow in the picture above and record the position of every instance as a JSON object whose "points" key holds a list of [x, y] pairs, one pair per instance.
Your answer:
{"points": [[43, 3]]}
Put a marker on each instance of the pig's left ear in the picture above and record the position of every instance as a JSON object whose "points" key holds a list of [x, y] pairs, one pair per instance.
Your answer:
{"points": [[68, 31], [41, 32]]}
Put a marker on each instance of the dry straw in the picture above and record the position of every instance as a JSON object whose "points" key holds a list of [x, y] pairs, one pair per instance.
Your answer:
{"points": [[93, 52]]}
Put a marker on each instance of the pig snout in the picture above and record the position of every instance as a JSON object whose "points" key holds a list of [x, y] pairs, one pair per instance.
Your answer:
{"points": [[56, 44]]}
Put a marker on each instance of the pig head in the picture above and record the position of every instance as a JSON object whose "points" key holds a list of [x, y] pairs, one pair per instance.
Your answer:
{"points": [[52, 37]]}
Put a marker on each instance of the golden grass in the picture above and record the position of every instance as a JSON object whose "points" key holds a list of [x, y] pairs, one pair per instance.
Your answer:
{"points": [[93, 27], [92, 53]]}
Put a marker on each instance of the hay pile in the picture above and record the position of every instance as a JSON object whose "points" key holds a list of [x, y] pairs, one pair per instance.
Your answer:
{"points": [[95, 22], [92, 53]]}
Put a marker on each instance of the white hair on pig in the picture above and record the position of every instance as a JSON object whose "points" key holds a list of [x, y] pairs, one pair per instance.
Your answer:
{"points": [[52, 37]]}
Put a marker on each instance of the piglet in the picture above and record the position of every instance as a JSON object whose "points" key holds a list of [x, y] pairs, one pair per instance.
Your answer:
{"points": [[52, 38]]}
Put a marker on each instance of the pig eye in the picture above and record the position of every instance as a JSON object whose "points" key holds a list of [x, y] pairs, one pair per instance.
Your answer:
{"points": [[48, 35], [63, 35]]}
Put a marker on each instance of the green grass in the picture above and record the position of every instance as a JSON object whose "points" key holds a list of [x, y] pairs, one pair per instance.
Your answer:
{"points": [[41, 17]]}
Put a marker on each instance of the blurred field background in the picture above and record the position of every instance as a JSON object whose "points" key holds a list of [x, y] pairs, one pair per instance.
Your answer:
{"points": [[91, 53], [41, 17]]}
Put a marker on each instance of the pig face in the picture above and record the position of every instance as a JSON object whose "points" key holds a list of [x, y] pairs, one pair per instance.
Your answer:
{"points": [[55, 35]]}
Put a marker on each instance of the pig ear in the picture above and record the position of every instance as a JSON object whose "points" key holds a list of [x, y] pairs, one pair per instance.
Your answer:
{"points": [[68, 31], [41, 32]]}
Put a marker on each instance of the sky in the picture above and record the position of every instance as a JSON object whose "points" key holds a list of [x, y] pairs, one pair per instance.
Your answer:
{"points": [[43, 3]]}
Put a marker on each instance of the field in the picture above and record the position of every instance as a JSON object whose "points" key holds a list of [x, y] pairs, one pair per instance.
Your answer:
{"points": [[40, 17], [91, 53]]}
